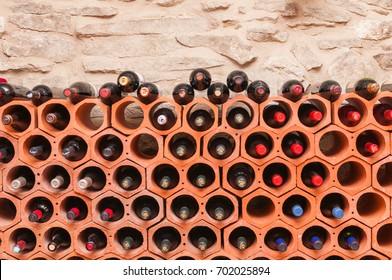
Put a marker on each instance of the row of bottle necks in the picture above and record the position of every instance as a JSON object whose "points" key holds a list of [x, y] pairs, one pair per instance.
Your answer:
{"points": [[200, 117], [201, 240], [221, 208], [200, 80]]}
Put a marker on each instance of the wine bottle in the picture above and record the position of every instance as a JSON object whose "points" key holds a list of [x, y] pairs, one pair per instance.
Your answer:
{"points": [[129, 81], [329, 89], [41, 210], [201, 119], [221, 146], [110, 93], [240, 176], [166, 176], [332, 206], [111, 209], [258, 91], [310, 114], [367, 143], [39, 94], [184, 207], [182, 147], [183, 94], [79, 91], [218, 93], [349, 115], [163, 118], [9, 92], [239, 117], [25, 241], [19, 119], [292, 90], [93, 179], [382, 112], [201, 175], [275, 175], [75, 208], [74, 148], [41, 152], [237, 81], [350, 238], [313, 174], [202, 237], [111, 147], [7, 151], [127, 243], [366, 88], [128, 177], [242, 238], [200, 79], [25, 181], [314, 238], [59, 239], [58, 118], [219, 207], [58, 182], [275, 115], [258, 145], [293, 145], [146, 207], [294, 206], [167, 239], [95, 241], [147, 92], [278, 239]]}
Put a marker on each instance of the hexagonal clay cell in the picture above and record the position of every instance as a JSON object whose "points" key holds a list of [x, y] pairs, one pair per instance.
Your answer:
{"points": [[57, 240], [128, 178], [279, 239], [20, 180], [145, 208], [74, 209], [128, 240], [90, 179], [91, 241], [313, 113], [259, 208], [37, 209], [203, 239], [55, 178], [278, 176], [91, 116], [164, 116], [277, 114], [18, 118], [21, 241], [55, 116], [381, 178], [109, 209], [382, 237], [128, 115], [9, 211]]}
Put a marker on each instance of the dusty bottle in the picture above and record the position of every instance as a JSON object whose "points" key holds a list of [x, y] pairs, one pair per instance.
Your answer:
{"points": [[183, 94], [184, 207], [200, 79], [147, 92], [111, 147], [329, 89], [292, 90], [110, 93], [167, 239], [129, 81], [258, 91], [39, 94], [41, 210], [79, 91], [218, 93], [201, 120], [74, 148], [25, 242], [275, 115], [240, 176], [242, 238], [366, 88], [201, 175], [237, 81], [164, 118], [59, 239], [221, 146], [239, 117]]}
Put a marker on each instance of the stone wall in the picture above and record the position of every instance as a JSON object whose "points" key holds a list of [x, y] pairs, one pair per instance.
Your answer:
{"points": [[60, 42]]}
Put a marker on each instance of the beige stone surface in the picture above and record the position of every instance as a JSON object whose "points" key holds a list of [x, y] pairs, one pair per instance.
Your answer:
{"points": [[59, 42]]}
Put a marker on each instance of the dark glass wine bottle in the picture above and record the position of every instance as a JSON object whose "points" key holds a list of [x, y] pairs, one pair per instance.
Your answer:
{"points": [[292, 90], [110, 93], [258, 91], [218, 93], [183, 94], [200, 79], [147, 92], [237, 81], [39, 94]]}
